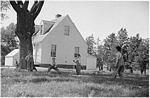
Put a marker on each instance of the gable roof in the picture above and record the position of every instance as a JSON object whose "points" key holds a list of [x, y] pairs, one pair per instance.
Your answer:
{"points": [[78, 32], [12, 53], [55, 21]]}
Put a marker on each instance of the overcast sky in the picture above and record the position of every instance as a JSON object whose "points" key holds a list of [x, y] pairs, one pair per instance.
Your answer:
{"points": [[99, 18]]}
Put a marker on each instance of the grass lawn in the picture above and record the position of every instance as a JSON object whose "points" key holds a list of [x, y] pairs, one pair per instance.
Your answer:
{"points": [[67, 84]]}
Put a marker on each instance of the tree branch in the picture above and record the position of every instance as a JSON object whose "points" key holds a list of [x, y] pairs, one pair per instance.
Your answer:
{"points": [[25, 5], [20, 2], [40, 4], [15, 6], [34, 7]]}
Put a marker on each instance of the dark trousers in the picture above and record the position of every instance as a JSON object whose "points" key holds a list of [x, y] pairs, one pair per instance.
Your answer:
{"points": [[30, 65], [119, 70], [78, 69], [143, 71], [53, 67]]}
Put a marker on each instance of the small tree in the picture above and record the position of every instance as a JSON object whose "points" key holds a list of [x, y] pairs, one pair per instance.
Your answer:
{"points": [[8, 41], [122, 36], [90, 42], [109, 43], [25, 26], [100, 54]]}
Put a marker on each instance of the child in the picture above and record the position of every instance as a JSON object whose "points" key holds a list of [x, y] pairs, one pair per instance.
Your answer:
{"points": [[29, 59], [54, 66], [16, 65], [119, 65], [78, 64]]}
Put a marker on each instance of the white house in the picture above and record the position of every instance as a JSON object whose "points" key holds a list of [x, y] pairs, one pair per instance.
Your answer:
{"points": [[61, 39], [10, 57], [91, 62]]}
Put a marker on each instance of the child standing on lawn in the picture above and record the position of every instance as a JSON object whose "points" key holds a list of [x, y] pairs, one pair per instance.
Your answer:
{"points": [[78, 64], [17, 64], [119, 65], [29, 59], [54, 66]]}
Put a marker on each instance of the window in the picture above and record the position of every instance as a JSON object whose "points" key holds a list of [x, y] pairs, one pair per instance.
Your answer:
{"points": [[53, 50], [76, 51], [66, 30]]}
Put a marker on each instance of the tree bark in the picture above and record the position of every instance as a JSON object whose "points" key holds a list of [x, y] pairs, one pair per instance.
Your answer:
{"points": [[25, 27], [25, 46]]}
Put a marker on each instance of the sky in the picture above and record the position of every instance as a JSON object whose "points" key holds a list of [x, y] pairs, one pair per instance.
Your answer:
{"points": [[100, 18]]}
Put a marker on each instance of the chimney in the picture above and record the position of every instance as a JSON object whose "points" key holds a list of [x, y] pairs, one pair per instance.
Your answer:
{"points": [[58, 15]]}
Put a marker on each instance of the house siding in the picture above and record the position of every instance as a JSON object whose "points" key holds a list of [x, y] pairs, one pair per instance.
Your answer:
{"points": [[65, 44], [37, 53]]}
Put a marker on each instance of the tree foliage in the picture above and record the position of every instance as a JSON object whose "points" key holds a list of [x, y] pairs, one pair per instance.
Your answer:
{"points": [[4, 6], [90, 42], [109, 45], [8, 40], [134, 49], [122, 36]]}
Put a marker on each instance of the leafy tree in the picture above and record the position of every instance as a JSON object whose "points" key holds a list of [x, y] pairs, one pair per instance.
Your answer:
{"points": [[133, 47], [145, 43], [25, 26], [90, 42], [109, 44], [122, 36], [100, 53], [4, 6], [8, 41], [123, 42], [100, 49], [143, 53]]}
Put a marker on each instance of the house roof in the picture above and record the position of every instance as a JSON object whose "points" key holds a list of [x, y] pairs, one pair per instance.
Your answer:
{"points": [[55, 21], [12, 53]]}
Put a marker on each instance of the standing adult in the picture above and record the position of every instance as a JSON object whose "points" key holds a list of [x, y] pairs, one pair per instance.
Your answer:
{"points": [[78, 64], [119, 65], [100, 63], [142, 64]]}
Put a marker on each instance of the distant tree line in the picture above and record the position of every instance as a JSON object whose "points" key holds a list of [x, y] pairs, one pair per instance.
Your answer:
{"points": [[135, 49]]}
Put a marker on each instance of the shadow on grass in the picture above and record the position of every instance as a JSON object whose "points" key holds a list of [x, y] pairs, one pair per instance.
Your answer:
{"points": [[128, 79], [136, 82], [42, 76]]}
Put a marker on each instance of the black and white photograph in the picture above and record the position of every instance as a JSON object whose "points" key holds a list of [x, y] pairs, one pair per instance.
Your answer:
{"points": [[74, 48]]}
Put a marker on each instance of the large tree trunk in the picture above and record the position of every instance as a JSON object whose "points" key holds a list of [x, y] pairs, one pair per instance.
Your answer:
{"points": [[25, 46], [25, 29], [25, 26]]}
